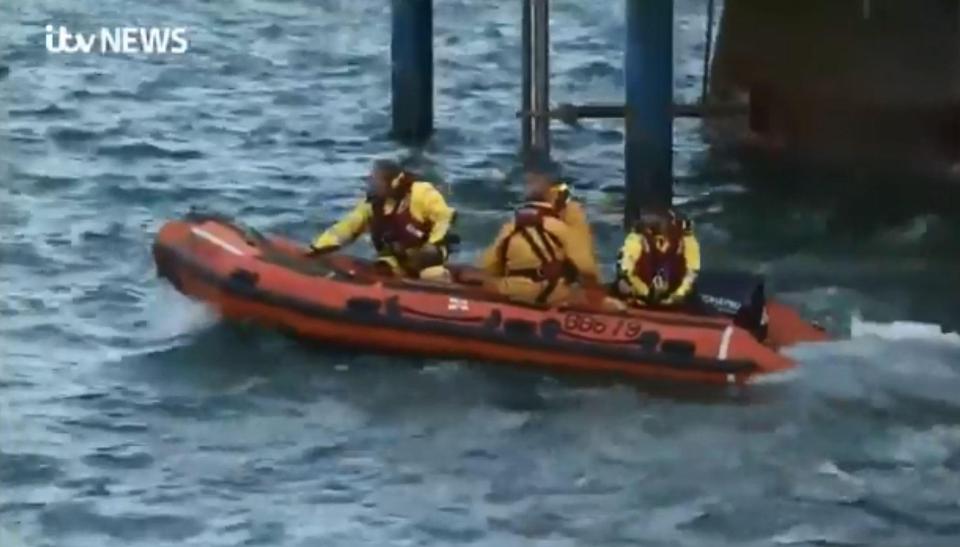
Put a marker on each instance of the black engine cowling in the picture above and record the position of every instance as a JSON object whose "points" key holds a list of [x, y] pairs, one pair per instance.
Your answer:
{"points": [[739, 295]]}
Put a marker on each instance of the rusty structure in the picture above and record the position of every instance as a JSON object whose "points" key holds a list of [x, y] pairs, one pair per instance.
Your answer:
{"points": [[857, 84]]}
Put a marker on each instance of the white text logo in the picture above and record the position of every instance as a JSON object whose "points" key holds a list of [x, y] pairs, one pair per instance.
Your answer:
{"points": [[125, 40]]}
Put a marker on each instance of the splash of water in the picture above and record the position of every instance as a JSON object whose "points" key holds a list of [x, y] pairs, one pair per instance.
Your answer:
{"points": [[171, 315], [168, 319], [902, 330]]}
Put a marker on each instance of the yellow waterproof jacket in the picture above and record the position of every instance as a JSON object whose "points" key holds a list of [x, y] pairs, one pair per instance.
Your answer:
{"points": [[518, 255], [426, 206], [574, 216], [685, 250]]}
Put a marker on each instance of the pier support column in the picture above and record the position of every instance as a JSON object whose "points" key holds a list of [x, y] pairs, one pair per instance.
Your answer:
{"points": [[411, 50], [648, 145], [535, 89]]}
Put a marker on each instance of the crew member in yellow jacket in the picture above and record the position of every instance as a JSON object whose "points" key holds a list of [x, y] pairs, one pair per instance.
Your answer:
{"points": [[408, 221], [568, 210], [659, 261], [537, 256]]}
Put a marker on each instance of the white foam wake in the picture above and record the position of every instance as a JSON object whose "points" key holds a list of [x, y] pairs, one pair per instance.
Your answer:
{"points": [[171, 315], [902, 330]]}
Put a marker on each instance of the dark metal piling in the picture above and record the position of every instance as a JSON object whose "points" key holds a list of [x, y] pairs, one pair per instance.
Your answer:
{"points": [[535, 100], [648, 69], [707, 51], [411, 50]]}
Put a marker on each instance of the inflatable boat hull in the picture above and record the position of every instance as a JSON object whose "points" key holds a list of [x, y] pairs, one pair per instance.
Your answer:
{"points": [[249, 277]]}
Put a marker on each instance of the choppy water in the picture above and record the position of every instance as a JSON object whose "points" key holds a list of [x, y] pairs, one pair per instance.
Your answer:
{"points": [[130, 417]]}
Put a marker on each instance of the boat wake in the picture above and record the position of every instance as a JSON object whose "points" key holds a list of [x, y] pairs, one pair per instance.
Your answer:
{"points": [[170, 315], [899, 363], [902, 330], [169, 320]]}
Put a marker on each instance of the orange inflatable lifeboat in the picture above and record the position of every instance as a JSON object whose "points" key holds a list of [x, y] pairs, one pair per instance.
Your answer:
{"points": [[338, 299]]}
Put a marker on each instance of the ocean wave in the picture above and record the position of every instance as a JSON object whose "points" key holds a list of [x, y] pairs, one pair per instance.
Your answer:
{"points": [[86, 94], [596, 70], [169, 79], [72, 135], [49, 111], [19, 469], [69, 518], [271, 31], [144, 150]]}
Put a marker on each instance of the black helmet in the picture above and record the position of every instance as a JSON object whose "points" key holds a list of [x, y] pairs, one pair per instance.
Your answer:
{"points": [[540, 164], [389, 168], [654, 219]]}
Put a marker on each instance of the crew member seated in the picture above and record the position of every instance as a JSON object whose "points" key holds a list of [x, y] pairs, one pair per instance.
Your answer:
{"points": [[408, 222], [537, 256], [568, 210], [659, 261]]}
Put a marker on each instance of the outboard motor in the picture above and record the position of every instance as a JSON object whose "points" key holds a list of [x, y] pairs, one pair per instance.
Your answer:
{"points": [[739, 295]]}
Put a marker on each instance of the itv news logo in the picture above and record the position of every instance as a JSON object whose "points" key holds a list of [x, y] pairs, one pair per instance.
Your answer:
{"points": [[121, 40]]}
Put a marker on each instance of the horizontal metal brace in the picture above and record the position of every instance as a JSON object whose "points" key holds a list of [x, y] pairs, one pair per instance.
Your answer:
{"points": [[570, 114], [710, 110]]}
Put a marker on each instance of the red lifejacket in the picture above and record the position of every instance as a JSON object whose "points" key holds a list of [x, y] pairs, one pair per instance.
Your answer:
{"points": [[662, 256], [398, 228]]}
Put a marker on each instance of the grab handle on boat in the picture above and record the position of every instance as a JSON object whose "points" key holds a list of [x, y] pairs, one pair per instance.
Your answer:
{"points": [[520, 328], [648, 340], [682, 348], [242, 281], [364, 306], [493, 321], [550, 329]]}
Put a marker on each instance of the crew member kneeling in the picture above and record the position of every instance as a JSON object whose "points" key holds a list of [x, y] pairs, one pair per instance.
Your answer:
{"points": [[537, 256], [408, 222], [659, 261]]}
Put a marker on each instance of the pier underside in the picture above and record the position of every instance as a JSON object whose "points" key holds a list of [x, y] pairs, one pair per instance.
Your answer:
{"points": [[867, 83]]}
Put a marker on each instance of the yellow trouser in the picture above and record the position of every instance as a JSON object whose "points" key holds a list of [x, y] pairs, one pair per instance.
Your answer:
{"points": [[431, 273], [527, 290]]}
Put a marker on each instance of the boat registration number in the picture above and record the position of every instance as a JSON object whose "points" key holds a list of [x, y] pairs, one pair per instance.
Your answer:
{"points": [[586, 324]]}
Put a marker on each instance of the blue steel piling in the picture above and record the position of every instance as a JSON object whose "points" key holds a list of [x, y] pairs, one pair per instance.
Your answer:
{"points": [[707, 51], [526, 82], [535, 84], [648, 145], [411, 50]]}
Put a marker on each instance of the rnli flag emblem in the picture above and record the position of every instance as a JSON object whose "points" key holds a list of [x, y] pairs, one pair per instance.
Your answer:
{"points": [[458, 304]]}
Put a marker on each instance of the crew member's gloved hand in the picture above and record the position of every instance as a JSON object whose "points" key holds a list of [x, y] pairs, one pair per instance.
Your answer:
{"points": [[654, 298], [612, 304], [659, 285], [397, 250], [314, 252], [622, 288], [593, 290]]}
